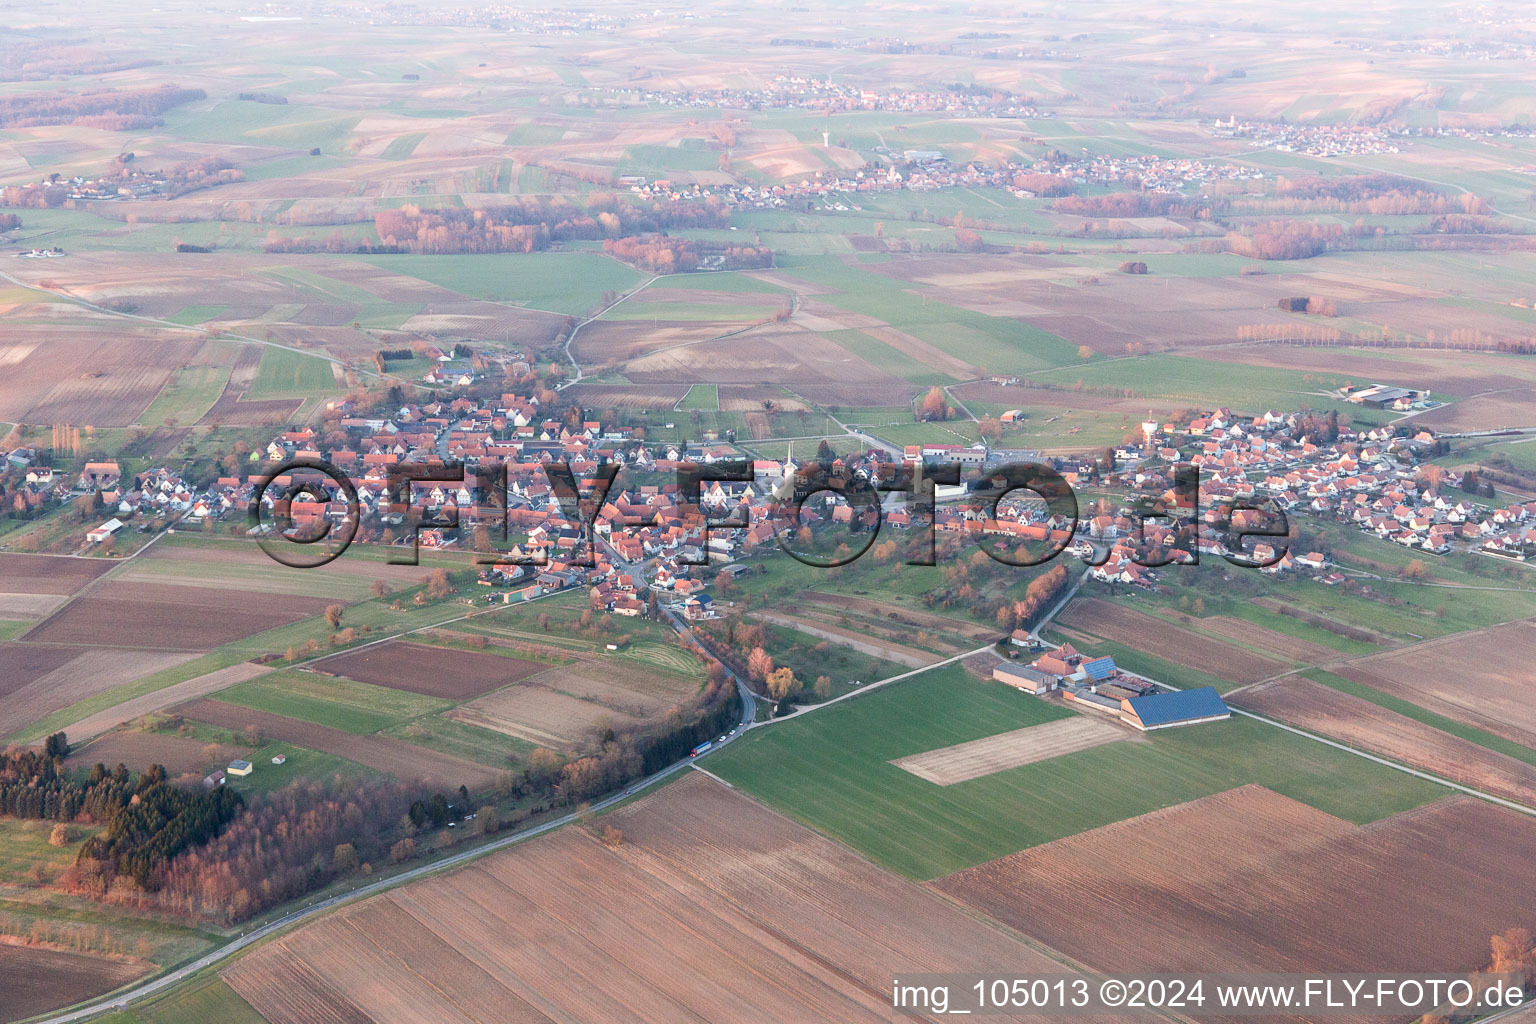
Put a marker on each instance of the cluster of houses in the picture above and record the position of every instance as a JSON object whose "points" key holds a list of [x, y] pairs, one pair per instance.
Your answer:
{"points": [[648, 539], [1316, 139], [1098, 685], [1377, 479], [918, 170], [803, 92]]}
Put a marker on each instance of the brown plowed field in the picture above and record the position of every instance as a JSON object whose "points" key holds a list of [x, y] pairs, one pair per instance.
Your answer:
{"points": [[87, 672], [382, 753], [712, 908], [1270, 641], [250, 555], [157, 615], [20, 664], [111, 384], [159, 700], [48, 574], [1169, 642], [435, 671], [36, 980], [991, 754], [1482, 678], [231, 410], [627, 686], [1251, 880], [542, 716], [1309, 705], [139, 750]]}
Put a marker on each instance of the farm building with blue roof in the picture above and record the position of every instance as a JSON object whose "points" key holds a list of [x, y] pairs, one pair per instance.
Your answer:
{"points": [[1100, 669], [1181, 707]]}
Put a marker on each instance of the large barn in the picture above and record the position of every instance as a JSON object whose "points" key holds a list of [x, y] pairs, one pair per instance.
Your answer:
{"points": [[1181, 707]]}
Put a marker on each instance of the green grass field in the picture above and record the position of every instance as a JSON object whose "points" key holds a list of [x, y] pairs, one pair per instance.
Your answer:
{"points": [[187, 396], [24, 843], [483, 746], [198, 1002], [285, 374], [340, 703], [572, 282], [830, 770], [402, 147], [701, 396]]}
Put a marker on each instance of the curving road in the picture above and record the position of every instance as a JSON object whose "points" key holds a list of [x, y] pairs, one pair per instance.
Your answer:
{"points": [[229, 949]]}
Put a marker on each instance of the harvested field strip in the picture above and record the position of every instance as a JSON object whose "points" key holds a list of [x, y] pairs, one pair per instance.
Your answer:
{"points": [[159, 700], [1265, 641], [605, 679], [436, 671], [381, 753], [965, 761], [541, 716], [882, 628], [1255, 881], [35, 980], [832, 770], [139, 750], [21, 664], [1349, 631], [360, 708], [47, 574], [526, 635], [911, 657], [1172, 643], [897, 614], [87, 672], [246, 579], [1482, 679], [125, 614], [1309, 705], [30, 606], [703, 912]]}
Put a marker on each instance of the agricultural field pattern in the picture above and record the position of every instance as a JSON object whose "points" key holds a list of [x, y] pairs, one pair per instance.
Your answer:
{"points": [[780, 514]]}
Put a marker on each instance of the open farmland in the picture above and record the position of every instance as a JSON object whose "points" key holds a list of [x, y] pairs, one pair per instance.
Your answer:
{"points": [[30, 606], [138, 750], [159, 700], [902, 617], [910, 657], [47, 574], [1171, 643], [84, 672], [165, 616], [543, 716], [285, 374], [832, 769], [1481, 678], [965, 761], [1309, 705], [36, 979], [1268, 641], [381, 753], [702, 912], [434, 671], [633, 688], [1251, 880], [192, 558], [91, 376]]}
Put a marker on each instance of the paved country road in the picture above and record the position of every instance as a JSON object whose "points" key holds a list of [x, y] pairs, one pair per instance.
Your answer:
{"points": [[234, 946], [229, 949]]}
